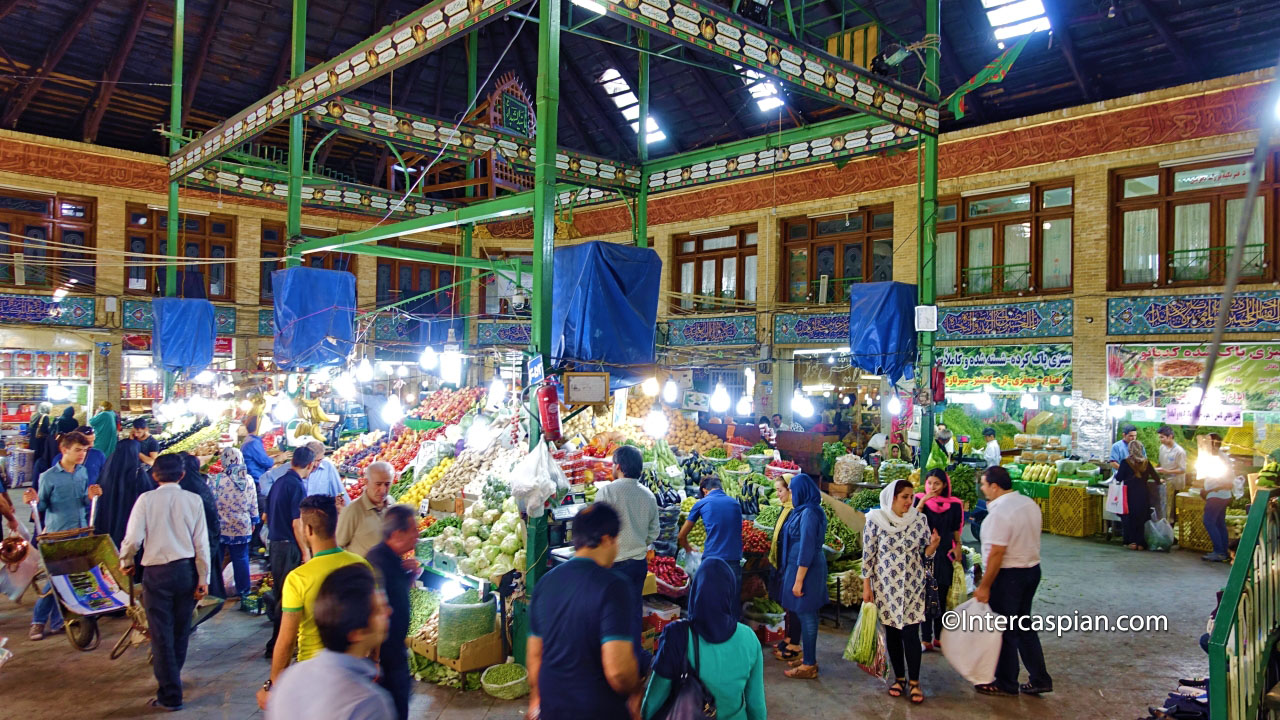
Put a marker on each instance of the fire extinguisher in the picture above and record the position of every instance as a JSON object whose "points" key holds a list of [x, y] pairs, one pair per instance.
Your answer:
{"points": [[549, 411], [939, 384]]}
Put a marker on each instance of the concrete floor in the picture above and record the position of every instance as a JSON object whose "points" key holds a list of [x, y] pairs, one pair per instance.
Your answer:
{"points": [[1096, 676]]}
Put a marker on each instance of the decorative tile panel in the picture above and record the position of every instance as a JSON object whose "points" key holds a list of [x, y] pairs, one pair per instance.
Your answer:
{"points": [[1051, 318], [44, 310], [1179, 314], [730, 330]]}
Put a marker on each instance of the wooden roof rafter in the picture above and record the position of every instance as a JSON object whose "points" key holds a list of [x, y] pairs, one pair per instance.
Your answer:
{"points": [[99, 101], [61, 44]]}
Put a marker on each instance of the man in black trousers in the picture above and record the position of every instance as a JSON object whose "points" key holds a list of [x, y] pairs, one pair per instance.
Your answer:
{"points": [[288, 545], [168, 524], [399, 535]]}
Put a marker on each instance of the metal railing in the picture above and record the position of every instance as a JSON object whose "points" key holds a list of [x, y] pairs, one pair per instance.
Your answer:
{"points": [[989, 279], [837, 289], [1247, 623], [1211, 263]]}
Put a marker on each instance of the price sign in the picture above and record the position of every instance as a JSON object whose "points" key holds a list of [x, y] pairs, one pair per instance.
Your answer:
{"points": [[696, 401], [1220, 415], [674, 471], [535, 370]]}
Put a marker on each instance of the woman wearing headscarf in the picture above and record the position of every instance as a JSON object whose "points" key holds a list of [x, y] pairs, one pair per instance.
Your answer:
{"points": [[1134, 473], [39, 427], [804, 569], [730, 664], [68, 421], [895, 544], [122, 481], [237, 500], [945, 514], [789, 647], [193, 481], [104, 426]]}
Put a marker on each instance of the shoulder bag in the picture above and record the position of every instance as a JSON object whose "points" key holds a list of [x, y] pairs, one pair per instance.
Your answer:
{"points": [[689, 699]]}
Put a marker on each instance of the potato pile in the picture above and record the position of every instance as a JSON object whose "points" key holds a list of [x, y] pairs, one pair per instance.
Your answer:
{"points": [[638, 406], [686, 436], [472, 464]]}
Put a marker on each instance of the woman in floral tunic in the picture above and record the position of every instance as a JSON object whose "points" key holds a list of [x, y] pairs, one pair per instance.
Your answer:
{"points": [[895, 542], [237, 497]]}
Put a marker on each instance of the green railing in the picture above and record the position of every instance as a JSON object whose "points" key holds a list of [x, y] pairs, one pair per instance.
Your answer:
{"points": [[1247, 624], [837, 289], [1210, 263], [987, 279]]}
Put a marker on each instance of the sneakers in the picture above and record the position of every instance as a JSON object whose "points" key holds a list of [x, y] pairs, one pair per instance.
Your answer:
{"points": [[37, 632]]}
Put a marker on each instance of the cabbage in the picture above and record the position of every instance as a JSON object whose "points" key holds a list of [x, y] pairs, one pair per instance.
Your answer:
{"points": [[481, 564], [510, 518], [477, 509], [500, 530], [466, 566], [491, 516], [475, 555], [518, 560], [470, 527], [472, 543], [450, 531], [510, 544], [454, 546], [483, 532], [491, 552], [438, 543], [509, 505]]}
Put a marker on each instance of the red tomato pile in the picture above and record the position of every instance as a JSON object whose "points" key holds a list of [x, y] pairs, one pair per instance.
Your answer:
{"points": [[448, 406], [785, 465], [754, 540], [666, 570]]}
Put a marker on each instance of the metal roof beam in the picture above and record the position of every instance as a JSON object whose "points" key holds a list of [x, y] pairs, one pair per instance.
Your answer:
{"points": [[762, 142], [589, 91], [102, 98], [51, 59]]}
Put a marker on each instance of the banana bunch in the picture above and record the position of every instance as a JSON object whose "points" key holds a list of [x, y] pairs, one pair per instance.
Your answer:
{"points": [[310, 416]]}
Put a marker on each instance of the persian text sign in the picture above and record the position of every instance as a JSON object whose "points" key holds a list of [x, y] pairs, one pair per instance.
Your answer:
{"points": [[44, 310], [1178, 314], [1019, 368], [1215, 415], [1246, 374], [1018, 320], [138, 316], [739, 330], [502, 333], [792, 329]]}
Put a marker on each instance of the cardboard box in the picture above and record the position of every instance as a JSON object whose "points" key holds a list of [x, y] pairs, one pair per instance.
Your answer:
{"points": [[650, 584], [477, 654], [422, 647], [448, 505], [836, 490]]}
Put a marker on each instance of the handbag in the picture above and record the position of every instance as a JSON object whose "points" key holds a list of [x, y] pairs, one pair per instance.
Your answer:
{"points": [[689, 699], [932, 604], [1117, 499]]}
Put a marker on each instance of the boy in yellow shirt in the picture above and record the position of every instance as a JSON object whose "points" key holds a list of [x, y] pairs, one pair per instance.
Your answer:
{"points": [[319, 516]]}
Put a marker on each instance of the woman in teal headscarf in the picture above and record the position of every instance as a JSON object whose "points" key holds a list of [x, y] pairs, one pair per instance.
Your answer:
{"points": [[105, 434]]}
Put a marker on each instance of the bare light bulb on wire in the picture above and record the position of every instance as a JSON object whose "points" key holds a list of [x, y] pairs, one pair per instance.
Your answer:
{"points": [[744, 405], [650, 387], [720, 399], [497, 392], [364, 370], [428, 359], [894, 406], [656, 424], [670, 391]]}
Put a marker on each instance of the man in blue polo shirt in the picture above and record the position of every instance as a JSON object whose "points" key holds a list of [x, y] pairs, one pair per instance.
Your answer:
{"points": [[722, 516], [1120, 450], [582, 663], [288, 547]]}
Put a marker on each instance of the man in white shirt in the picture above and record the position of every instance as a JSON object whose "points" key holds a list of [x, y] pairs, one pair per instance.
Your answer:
{"points": [[991, 453], [638, 510], [1172, 467], [1010, 575], [168, 524]]}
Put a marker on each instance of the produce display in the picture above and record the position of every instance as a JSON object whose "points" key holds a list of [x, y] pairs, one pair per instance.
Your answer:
{"points": [[489, 543], [839, 535], [416, 492], [832, 451], [355, 450], [438, 527], [507, 681], [448, 406], [201, 439], [764, 606], [760, 448], [666, 570], [768, 516], [698, 535], [423, 604], [471, 464], [894, 470], [864, 500], [310, 418], [1269, 476], [1040, 473], [685, 434], [442, 675], [869, 476], [753, 540], [695, 467], [717, 453], [849, 469], [736, 465], [964, 485]]}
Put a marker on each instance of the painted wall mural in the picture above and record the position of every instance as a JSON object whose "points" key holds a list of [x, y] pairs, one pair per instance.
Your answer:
{"points": [[44, 310], [735, 330], [1179, 314], [816, 329], [1052, 318]]}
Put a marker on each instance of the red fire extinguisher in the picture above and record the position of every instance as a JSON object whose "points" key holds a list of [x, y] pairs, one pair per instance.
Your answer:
{"points": [[549, 411]]}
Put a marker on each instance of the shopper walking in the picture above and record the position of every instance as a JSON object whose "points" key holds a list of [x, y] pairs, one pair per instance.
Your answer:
{"points": [[63, 497], [287, 542], [945, 514], [724, 653], [581, 658], [1172, 469], [325, 479], [940, 455], [1134, 474], [149, 447], [256, 460], [123, 481], [638, 510], [67, 422], [237, 501], [896, 545], [168, 525], [804, 569], [400, 535], [721, 515], [193, 481], [39, 429], [94, 460], [351, 618], [789, 647], [1010, 576], [319, 518], [1218, 489], [105, 433], [360, 524]]}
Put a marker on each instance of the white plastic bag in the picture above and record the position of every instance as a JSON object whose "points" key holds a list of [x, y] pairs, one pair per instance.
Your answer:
{"points": [[1158, 533], [535, 479], [970, 648], [690, 562], [15, 581]]}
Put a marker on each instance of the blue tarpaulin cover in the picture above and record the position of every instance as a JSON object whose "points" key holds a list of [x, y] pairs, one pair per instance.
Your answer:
{"points": [[605, 309], [182, 335], [315, 317], [882, 328]]}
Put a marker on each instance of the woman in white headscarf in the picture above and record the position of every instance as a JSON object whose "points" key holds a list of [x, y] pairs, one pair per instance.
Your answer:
{"points": [[237, 498], [895, 543]]}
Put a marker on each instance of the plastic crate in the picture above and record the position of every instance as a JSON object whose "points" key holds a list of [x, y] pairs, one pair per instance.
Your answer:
{"points": [[1191, 532], [1073, 512]]}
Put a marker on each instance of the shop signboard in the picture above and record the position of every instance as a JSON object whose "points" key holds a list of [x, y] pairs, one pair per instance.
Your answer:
{"points": [[1007, 368], [1181, 314], [44, 310], [1052, 318], [503, 333], [1215, 415], [811, 329], [1246, 375], [732, 330]]}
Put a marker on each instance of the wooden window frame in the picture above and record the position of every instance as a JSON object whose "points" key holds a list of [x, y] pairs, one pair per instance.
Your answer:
{"points": [[740, 251], [55, 222], [1166, 199], [867, 235], [1036, 216], [327, 260], [154, 235], [435, 268]]}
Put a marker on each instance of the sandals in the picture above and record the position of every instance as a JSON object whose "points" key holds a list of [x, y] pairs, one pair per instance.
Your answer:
{"points": [[803, 672], [917, 695], [897, 688], [992, 689], [782, 652]]}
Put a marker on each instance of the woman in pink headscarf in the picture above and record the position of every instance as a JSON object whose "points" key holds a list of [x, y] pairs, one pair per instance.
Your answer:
{"points": [[945, 513]]}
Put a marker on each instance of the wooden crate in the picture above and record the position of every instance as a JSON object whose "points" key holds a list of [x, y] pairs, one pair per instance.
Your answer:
{"points": [[1074, 512]]}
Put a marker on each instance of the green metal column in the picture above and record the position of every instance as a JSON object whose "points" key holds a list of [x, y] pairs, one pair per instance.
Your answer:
{"points": [[928, 270], [642, 144], [297, 64], [473, 67], [175, 144]]}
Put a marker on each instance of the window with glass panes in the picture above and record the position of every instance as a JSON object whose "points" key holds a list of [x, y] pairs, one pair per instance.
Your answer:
{"points": [[715, 265], [397, 280], [203, 237], [1006, 243], [42, 232], [823, 256], [273, 252], [1177, 225], [498, 290]]}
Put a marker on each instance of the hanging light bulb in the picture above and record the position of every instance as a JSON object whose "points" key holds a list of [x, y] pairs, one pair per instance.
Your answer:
{"points": [[894, 406], [1028, 402], [497, 392], [428, 359], [1066, 402], [205, 377], [670, 391], [801, 405], [831, 359], [744, 405], [364, 371], [846, 400], [199, 406], [148, 375], [451, 367], [650, 387], [59, 392], [284, 411], [402, 371], [656, 424], [719, 399], [246, 405], [983, 401], [345, 386], [392, 410]]}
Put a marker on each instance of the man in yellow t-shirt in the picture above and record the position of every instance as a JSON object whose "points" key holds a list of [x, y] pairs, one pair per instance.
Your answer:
{"points": [[319, 516]]}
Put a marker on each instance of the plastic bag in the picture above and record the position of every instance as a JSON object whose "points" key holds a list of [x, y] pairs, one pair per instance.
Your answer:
{"points": [[959, 591], [536, 478], [690, 562], [970, 649], [872, 656], [1159, 533]]}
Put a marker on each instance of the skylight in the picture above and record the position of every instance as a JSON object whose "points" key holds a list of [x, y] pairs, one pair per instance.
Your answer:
{"points": [[1015, 18], [620, 92], [761, 88]]}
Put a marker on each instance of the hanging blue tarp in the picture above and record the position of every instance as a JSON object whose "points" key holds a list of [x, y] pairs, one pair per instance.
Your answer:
{"points": [[182, 334], [605, 309], [882, 328], [314, 316]]}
